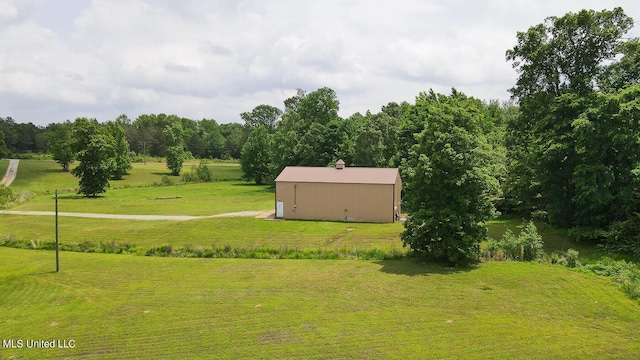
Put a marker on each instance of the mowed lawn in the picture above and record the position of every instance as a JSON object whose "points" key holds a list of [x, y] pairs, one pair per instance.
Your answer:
{"points": [[239, 232], [130, 307], [138, 193], [3, 167]]}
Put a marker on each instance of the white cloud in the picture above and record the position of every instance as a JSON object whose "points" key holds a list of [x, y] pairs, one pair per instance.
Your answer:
{"points": [[216, 59]]}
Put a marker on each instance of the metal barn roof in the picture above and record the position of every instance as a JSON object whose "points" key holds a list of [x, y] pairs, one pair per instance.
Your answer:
{"points": [[347, 175]]}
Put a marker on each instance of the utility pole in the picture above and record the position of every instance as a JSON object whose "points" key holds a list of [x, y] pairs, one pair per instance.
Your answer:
{"points": [[57, 257]]}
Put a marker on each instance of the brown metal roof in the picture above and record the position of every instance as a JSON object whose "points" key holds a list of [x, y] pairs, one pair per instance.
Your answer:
{"points": [[348, 175]]}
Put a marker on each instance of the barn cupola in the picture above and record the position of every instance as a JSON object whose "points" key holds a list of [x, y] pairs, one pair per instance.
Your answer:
{"points": [[339, 164]]}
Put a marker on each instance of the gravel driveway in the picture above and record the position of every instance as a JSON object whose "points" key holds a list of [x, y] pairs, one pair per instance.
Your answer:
{"points": [[10, 175]]}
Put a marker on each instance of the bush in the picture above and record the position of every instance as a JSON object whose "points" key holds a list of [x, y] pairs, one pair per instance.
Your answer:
{"points": [[587, 234], [625, 274], [531, 242], [572, 258], [624, 237], [6, 196], [527, 246], [567, 258], [166, 181], [201, 173]]}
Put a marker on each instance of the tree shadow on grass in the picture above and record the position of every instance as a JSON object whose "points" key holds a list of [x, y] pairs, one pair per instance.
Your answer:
{"points": [[248, 184], [420, 267]]}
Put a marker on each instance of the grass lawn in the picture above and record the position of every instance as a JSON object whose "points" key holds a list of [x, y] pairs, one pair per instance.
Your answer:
{"points": [[188, 199], [45, 176], [3, 167], [246, 232], [129, 307], [136, 195]]}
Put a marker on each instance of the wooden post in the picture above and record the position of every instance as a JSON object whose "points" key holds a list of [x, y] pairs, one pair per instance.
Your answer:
{"points": [[521, 252], [57, 257]]}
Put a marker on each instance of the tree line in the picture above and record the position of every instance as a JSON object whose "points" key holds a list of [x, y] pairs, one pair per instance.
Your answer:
{"points": [[204, 139], [565, 150]]}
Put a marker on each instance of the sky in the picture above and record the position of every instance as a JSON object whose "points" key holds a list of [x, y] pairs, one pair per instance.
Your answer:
{"points": [[214, 59]]}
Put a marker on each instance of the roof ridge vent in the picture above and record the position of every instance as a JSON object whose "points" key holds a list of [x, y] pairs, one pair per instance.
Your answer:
{"points": [[339, 164]]}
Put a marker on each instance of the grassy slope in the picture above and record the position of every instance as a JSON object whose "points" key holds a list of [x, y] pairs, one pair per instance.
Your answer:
{"points": [[119, 306], [4, 164]]}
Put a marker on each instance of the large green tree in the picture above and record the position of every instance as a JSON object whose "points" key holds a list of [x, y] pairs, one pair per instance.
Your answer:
{"points": [[95, 149], [265, 115], [447, 180], [61, 144], [560, 64], [254, 160], [176, 155], [122, 161], [309, 132]]}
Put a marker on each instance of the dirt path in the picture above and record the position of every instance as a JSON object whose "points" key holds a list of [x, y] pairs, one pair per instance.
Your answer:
{"points": [[257, 214], [10, 175]]}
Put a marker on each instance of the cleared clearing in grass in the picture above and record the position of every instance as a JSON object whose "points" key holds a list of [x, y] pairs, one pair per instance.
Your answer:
{"points": [[128, 307]]}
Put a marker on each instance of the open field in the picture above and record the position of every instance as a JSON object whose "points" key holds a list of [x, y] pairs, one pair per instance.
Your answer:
{"points": [[136, 194], [188, 199], [121, 306], [45, 176]]}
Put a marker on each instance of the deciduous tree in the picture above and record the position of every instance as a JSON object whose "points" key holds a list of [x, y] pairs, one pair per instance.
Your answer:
{"points": [[255, 156], [61, 144], [447, 183], [96, 151], [176, 155]]}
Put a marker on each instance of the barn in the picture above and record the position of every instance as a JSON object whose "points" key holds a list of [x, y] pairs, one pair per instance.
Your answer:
{"points": [[340, 193]]}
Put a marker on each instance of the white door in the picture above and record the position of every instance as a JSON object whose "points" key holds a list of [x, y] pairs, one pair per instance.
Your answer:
{"points": [[279, 209]]}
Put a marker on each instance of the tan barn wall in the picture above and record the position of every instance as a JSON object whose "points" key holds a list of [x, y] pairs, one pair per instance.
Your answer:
{"points": [[338, 202]]}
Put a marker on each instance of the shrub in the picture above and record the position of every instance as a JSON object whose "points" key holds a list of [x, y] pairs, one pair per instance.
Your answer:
{"points": [[166, 180], [624, 237], [531, 242], [204, 172], [625, 274], [189, 177], [201, 173], [6, 196], [572, 258], [527, 246], [586, 234]]}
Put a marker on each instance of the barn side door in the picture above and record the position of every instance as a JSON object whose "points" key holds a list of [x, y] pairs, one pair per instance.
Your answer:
{"points": [[279, 209]]}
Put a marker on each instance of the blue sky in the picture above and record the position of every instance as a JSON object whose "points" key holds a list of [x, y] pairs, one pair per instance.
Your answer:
{"points": [[215, 59]]}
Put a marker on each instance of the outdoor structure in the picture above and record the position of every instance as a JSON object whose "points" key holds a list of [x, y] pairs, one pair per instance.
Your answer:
{"points": [[338, 194]]}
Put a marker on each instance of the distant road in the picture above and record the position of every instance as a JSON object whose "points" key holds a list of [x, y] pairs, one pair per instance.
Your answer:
{"points": [[10, 175]]}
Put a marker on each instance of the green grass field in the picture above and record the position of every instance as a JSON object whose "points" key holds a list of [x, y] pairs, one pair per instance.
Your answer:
{"points": [[46, 176], [128, 307], [3, 167]]}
